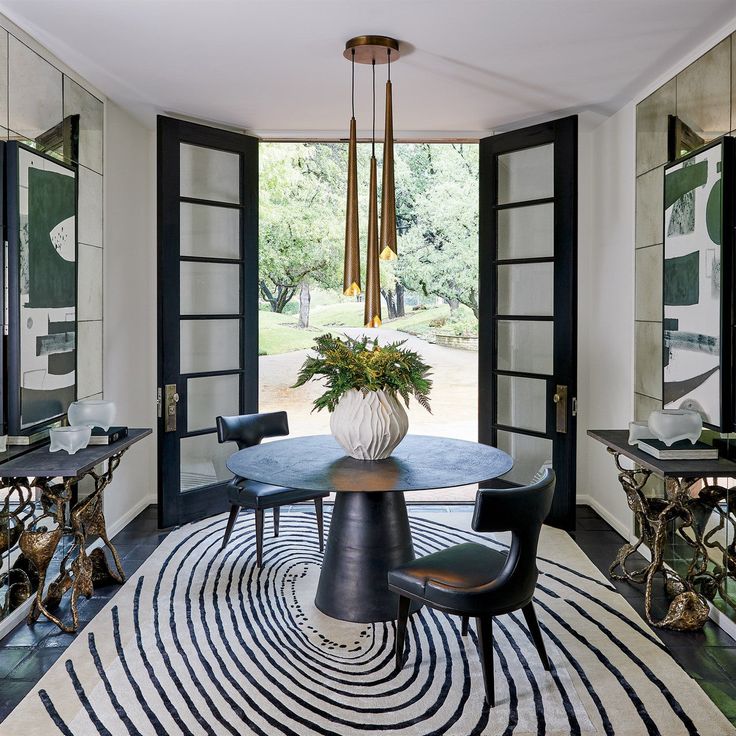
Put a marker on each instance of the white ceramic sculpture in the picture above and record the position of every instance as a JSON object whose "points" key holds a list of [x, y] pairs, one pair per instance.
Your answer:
{"points": [[69, 439], [369, 425], [673, 425], [639, 431], [92, 413]]}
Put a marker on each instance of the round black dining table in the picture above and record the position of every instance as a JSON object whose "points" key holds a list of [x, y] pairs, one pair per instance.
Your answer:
{"points": [[369, 532]]}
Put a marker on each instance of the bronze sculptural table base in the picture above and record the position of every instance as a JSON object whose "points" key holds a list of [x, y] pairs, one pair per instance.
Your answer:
{"points": [[63, 517], [692, 497]]}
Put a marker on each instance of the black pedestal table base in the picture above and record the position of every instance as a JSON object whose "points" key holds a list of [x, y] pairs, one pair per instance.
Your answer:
{"points": [[369, 535]]}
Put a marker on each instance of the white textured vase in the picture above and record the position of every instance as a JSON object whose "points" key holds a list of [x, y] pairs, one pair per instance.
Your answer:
{"points": [[69, 439], [674, 425], [369, 425], [91, 413]]}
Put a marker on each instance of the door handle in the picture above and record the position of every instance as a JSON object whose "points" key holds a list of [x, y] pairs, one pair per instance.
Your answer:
{"points": [[171, 399], [560, 399]]}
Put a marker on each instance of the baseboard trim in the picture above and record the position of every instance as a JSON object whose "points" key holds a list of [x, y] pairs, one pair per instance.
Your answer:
{"points": [[11, 621], [605, 514], [129, 515]]}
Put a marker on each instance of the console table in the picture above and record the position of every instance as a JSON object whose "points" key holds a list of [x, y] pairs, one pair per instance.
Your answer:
{"points": [[54, 475], [692, 495]]}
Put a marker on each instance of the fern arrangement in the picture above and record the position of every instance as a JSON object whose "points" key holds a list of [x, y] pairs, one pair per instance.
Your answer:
{"points": [[363, 364]]}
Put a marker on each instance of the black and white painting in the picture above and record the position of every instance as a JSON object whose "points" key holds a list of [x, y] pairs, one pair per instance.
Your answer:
{"points": [[692, 286], [42, 269]]}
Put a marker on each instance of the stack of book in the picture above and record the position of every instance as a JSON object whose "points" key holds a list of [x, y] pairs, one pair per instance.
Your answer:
{"points": [[682, 450], [107, 437]]}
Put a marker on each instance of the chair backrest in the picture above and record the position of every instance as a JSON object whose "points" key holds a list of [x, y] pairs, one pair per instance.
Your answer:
{"points": [[522, 512], [249, 429]]}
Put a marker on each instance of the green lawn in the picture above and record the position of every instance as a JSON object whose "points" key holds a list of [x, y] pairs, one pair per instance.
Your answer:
{"points": [[279, 334], [418, 322]]}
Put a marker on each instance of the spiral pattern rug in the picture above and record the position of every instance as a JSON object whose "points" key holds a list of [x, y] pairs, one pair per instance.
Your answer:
{"points": [[200, 641]]}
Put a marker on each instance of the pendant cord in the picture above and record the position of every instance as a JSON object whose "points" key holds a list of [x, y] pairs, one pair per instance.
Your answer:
{"points": [[352, 82], [373, 139], [388, 53]]}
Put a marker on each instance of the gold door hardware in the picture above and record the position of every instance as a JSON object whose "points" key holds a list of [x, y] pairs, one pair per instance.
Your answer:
{"points": [[560, 399], [171, 399]]}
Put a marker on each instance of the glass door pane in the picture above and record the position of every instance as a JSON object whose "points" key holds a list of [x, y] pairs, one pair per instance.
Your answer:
{"points": [[206, 173], [526, 174], [529, 453]]}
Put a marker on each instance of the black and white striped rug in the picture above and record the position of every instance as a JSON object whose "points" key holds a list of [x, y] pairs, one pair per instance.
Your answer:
{"points": [[200, 642]]}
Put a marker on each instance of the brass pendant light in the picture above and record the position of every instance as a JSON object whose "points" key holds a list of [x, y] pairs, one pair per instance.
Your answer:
{"points": [[351, 269], [371, 50], [388, 190], [372, 311]]}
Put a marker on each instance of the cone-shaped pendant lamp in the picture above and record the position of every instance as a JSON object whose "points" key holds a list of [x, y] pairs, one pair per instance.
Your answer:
{"points": [[351, 269], [371, 50], [387, 242], [372, 312]]}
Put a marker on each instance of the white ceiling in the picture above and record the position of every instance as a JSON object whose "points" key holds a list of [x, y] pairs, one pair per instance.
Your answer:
{"points": [[275, 67]]}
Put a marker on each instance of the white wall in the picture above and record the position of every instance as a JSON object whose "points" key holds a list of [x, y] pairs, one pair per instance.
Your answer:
{"points": [[130, 304], [606, 306]]}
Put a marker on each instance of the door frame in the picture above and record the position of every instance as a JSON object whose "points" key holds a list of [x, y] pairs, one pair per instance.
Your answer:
{"points": [[563, 134], [171, 132]]}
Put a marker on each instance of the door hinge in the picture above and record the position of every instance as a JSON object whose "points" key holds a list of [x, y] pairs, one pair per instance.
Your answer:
{"points": [[574, 406], [159, 403]]}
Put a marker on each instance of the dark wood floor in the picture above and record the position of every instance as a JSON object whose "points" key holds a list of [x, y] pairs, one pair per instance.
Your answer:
{"points": [[28, 652]]}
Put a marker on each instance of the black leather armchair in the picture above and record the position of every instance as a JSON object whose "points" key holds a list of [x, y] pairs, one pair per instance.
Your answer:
{"points": [[248, 430], [474, 580]]}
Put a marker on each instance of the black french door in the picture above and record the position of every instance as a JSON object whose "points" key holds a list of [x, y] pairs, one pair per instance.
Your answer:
{"points": [[208, 308], [528, 303]]}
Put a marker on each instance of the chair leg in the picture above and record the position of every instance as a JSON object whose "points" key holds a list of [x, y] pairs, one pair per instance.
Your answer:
{"points": [[234, 511], [533, 626], [404, 604], [466, 620], [259, 537], [320, 523], [276, 521], [485, 650]]}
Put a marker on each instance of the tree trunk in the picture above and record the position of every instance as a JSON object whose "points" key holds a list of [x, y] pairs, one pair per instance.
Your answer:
{"points": [[388, 296], [280, 299], [285, 295], [400, 310], [454, 304], [473, 304], [304, 299]]}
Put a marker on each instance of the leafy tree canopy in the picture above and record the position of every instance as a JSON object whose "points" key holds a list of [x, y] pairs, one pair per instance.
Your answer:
{"points": [[302, 219]]}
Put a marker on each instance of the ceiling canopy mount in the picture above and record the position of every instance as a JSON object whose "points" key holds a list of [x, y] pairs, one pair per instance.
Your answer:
{"points": [[372, 49]]}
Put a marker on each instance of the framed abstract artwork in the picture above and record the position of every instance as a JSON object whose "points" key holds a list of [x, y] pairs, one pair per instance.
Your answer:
{"points": [[697, 283], [41, 216]]}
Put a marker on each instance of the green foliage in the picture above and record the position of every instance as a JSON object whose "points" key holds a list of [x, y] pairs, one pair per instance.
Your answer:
{"points": [[437, 210], [302, 219], [363, 364], [462, 322]]}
